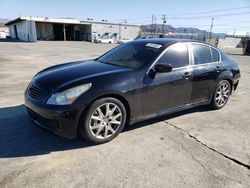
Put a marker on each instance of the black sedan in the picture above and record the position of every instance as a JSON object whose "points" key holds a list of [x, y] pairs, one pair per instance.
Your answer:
{"points": [[136, 81]]}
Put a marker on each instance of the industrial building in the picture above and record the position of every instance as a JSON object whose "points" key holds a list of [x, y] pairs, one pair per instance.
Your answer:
{"points": [[31, 29]]}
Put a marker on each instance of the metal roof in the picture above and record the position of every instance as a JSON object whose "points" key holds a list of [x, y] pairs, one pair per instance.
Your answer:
{"points": [[62, 20]]}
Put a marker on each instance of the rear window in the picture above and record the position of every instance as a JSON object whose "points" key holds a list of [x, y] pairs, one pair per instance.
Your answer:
{"points": [[215, 55]]}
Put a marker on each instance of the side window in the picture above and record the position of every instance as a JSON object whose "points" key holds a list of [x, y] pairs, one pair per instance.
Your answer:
{"points": [[202, 54], [176, 56], [215, 55]]}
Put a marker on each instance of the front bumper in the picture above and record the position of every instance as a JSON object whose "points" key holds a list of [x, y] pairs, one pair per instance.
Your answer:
{"points": [[62, 120]]}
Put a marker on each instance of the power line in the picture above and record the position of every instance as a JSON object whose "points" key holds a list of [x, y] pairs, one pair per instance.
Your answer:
{"points": [[148, 19], [197, 17], [206, 25], [215, 16], [213, 11], [225, 30], [175, 16], [232, 28], [141, 18], [239, 22]]}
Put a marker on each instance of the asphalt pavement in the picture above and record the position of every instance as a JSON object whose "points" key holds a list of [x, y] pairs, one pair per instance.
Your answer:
{"points": [[193, 148]]}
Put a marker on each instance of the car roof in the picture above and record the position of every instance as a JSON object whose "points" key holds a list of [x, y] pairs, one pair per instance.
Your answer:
{"points": [[163, 41], [166, 41]]}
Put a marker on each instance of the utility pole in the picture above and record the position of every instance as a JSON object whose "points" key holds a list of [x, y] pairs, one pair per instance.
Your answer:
{"points": [[120, 31], [152, 25], [155, 25], [234, 32], [164, 20], [204, 37], [247, 35], [125, 22], [211, 28], [64, 32], [30, 32]]}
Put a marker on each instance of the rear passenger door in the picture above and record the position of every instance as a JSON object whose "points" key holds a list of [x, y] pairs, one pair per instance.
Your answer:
{"points": [[206, 68]]}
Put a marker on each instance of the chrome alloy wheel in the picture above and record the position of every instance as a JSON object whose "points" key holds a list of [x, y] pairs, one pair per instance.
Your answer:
{"points": [[105, 120], [222, 94]]}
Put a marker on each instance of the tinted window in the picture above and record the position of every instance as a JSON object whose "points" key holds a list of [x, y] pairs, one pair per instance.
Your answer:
{"points": [[132, 55], [202, 54], [176, 56], [215, 55]]}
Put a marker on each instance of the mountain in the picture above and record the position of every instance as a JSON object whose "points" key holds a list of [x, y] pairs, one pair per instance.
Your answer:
{"points": [[189, 31], [157, 28], [3, 21]]}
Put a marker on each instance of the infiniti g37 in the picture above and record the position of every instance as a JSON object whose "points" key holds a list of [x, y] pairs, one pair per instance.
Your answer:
{"points": [[135, 81]]}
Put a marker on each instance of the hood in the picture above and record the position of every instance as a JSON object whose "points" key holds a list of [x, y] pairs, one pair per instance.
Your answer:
{"points": [[56, 76]]}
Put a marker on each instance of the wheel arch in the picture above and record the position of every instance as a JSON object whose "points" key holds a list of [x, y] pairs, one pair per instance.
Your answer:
{"points": [[212, 102], [226, 75], [227, 78], [119, 97], [230, 81]]}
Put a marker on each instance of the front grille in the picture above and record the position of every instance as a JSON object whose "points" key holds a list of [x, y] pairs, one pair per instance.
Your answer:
{"points": [[35, 93]]}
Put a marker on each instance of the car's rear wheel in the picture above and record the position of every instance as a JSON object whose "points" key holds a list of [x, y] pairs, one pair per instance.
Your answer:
{"points": [[221, 95], [104, 120]]}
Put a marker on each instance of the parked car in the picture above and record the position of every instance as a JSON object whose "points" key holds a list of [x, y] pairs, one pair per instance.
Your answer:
{"points": [[133, 82], [105, 40], [142, 37], [124, 40]]}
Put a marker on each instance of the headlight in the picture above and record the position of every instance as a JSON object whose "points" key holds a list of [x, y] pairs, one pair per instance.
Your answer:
{"points": [[68, 96]]}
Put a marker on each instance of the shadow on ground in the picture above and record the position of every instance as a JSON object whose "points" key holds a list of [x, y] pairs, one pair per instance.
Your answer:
{"points": [[11, 40], [19, 137]]}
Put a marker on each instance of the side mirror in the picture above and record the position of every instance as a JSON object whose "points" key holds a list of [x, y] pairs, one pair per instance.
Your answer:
{"points": [[160, 68]]}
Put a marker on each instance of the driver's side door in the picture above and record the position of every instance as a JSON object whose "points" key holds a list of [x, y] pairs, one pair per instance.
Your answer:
{"points": [[169, 89]]}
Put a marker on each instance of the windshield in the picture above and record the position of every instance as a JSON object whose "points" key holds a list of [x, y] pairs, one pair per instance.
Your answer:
{"points": [[131, 55]]}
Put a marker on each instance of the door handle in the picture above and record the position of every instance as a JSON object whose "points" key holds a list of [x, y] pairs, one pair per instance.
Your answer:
{"points": [[218, 69], [187, 75]]}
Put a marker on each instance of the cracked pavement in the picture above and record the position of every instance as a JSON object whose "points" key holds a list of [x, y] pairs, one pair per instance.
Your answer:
{"points": [[227, 157], [194, 148]]}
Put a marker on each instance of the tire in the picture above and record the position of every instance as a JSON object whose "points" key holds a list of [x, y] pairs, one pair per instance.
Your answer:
{"points": [[101, 125], [221, 95]]}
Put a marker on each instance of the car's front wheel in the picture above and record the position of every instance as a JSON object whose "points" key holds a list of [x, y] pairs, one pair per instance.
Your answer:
{"points": [[221, 95], [104, 120]]}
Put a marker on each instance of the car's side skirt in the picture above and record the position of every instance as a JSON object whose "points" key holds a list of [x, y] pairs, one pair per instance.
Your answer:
{"points": [[168, 111]]}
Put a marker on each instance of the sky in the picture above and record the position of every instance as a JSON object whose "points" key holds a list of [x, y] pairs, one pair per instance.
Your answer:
{"points": [[230, 16]]}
